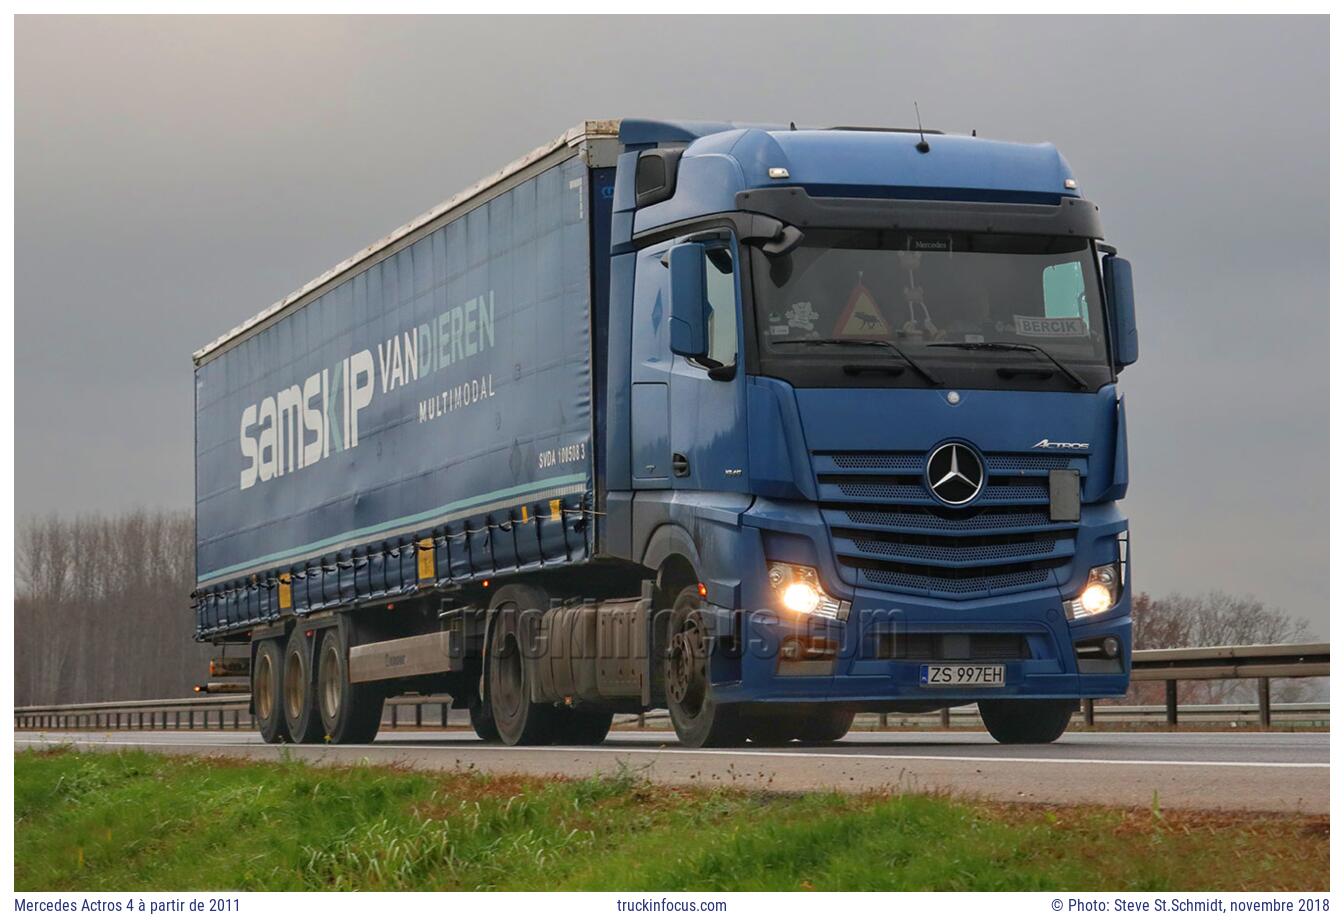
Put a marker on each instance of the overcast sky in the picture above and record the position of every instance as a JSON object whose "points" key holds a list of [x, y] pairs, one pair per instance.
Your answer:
{"points": [[176, 175]]}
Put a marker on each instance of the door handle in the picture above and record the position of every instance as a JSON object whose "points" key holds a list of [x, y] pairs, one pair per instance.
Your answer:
{"points": [[681, 467]]}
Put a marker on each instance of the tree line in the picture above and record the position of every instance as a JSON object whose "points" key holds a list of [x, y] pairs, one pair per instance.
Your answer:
{"points": [[1218, 618], [102, 608], [103, 612]]}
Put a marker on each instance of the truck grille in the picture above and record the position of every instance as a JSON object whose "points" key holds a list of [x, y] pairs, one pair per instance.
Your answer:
{"points": [[890, 532]]}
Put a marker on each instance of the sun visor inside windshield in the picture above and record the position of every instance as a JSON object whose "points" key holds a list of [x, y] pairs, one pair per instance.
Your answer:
{"points": [[1071, 217]]}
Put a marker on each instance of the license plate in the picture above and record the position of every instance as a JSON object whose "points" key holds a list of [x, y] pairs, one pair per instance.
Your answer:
{"points": [[961, 675]]}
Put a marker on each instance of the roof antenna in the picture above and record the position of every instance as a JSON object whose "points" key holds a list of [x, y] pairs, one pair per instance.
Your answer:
{"points": [[792, 126], [923, 145]]}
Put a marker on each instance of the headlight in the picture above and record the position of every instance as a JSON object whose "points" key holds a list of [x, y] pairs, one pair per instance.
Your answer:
{"points": [[1099, 594], [798, 590]]}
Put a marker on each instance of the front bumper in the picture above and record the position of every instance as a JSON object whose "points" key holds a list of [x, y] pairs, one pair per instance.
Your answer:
{"points": [[878, 652], [874, 656], [888, 635]]}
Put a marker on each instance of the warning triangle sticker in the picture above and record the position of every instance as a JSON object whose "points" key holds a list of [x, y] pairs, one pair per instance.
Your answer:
{"points": [[861, 317]]}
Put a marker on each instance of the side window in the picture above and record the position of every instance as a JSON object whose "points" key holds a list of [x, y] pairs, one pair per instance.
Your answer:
{"points": [[1062, 286], [721, 292]]}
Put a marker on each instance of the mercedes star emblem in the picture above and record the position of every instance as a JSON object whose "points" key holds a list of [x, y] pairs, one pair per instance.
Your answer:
{"points": [[954, 473]]}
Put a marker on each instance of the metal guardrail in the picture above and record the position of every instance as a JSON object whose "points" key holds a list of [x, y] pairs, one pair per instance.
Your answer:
{"points": [[1117, 714], [1260, 662], [1226, 662], [217, 711]]}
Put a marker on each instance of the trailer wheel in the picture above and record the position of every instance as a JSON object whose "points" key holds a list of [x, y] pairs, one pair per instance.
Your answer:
{"points": [[823, 724], [509, 685], [266, 702], [579, 727], [351, 713], [1026, 721], [298, 691], [699, 721]]}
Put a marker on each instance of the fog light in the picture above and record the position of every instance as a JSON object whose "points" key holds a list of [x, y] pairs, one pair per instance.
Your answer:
{"points": [[798, 590], [1110, 647]]}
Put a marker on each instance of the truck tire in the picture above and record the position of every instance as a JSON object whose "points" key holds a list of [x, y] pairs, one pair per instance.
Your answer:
{"points": [[267, 704], [299, 691], [508, 677], [350, 713], [824, 724], [482, 722], [1026, 721], [579, 727], [699, 720]]}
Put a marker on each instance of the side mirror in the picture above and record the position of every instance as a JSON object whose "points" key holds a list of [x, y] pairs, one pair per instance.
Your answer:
{"points": [[1119, 279], [690, 307]]}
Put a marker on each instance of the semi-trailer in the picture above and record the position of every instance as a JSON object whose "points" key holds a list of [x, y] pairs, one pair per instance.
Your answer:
{"points": [[762, 425]]}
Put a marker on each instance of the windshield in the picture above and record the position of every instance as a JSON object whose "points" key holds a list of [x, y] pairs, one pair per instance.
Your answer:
{"points": [[945, 299]]}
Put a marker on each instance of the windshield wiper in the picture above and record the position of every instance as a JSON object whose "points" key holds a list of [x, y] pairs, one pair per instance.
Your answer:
{"points": [[870, 343], [1015, 346]]}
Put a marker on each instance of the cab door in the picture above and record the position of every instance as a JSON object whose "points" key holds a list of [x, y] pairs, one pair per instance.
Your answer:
{"points": [[650, 373], [708, 396], [687, 425]]}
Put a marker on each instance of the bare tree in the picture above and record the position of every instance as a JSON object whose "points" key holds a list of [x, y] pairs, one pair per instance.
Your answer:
{"points": [[1215, 618], [102, 608]]}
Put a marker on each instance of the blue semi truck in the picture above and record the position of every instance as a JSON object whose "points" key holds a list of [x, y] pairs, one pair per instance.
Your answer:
{"points": [[762, 425]]}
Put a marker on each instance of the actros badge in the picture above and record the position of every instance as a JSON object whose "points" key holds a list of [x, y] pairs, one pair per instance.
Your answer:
{"points": [[1061, 445]]}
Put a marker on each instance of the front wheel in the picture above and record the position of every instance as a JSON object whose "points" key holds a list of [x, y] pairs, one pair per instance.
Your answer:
{"points": [[1026, 721], [699, 721]]}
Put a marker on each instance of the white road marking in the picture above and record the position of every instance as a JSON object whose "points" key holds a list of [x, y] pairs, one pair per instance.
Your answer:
{"points": [[958, 758]]}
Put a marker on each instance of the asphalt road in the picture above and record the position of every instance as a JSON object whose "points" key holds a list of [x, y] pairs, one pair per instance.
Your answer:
{"points": [[1274, 771]]}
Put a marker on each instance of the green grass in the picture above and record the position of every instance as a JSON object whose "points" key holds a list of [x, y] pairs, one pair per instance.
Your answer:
{"points": [[132, 820]]}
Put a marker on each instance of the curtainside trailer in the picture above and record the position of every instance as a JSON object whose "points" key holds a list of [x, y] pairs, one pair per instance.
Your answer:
{"points": [[761, 425]]}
